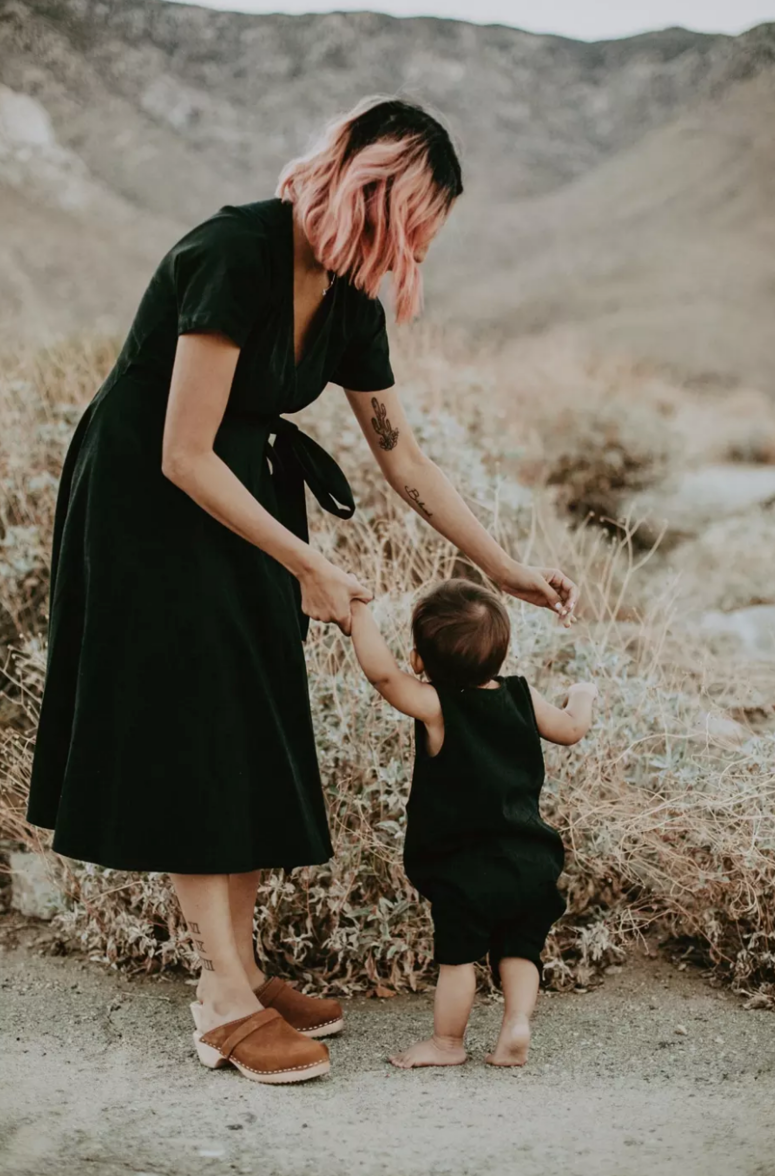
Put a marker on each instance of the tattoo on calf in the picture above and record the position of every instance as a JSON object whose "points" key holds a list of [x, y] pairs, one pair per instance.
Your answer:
{"points": [[388, 436], [208, 965], [414, 496], [193, 928]]}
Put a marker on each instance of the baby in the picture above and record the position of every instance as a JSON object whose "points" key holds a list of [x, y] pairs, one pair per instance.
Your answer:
{"points": [[476, 845]]}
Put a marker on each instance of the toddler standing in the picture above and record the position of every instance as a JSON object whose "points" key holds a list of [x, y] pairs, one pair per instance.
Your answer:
{"points": [[476, 845]]}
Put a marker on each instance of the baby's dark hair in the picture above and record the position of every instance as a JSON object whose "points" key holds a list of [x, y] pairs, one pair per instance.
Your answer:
{"points": [[461, 631]]}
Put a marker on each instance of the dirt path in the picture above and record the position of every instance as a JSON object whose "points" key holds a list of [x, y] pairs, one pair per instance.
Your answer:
{"points": [[98, 1076]]}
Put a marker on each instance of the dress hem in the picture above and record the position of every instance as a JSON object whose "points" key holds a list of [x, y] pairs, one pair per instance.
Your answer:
{"points": [[108, 861]]}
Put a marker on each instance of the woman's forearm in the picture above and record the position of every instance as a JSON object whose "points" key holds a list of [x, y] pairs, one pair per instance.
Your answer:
{"points": [[212, 485], [429, 492]]}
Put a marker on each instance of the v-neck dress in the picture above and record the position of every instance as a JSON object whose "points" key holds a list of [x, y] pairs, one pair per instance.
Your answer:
{"points": [[175, 732]]}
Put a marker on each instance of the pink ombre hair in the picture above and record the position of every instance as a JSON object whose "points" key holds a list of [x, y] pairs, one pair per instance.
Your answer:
{"points": [[374, 193]]}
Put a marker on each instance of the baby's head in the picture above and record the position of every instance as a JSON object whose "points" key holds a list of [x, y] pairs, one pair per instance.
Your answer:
{"points": [[461, 634]]}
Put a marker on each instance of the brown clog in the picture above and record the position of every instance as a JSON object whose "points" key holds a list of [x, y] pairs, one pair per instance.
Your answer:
{"points": [[264, 1048], [313, 1016]]}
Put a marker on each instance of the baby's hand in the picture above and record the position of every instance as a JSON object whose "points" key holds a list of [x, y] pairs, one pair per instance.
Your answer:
{"points": [[583, 688]]}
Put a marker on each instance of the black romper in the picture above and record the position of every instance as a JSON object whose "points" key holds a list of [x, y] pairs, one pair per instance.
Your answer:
{"points": [[175, 731], [476, 845]]}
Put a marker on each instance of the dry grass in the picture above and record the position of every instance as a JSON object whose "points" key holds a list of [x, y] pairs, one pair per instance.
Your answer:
{"points": [[667, 811]]}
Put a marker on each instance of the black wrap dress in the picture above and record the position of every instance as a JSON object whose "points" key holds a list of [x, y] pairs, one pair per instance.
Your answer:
{"points": [[175, 732]]}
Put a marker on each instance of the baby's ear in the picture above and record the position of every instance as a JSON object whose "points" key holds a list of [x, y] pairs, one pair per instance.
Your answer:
{"points": [[415, 661]]}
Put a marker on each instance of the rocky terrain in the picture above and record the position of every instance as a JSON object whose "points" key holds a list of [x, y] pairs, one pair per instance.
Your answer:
{"points": [[622, 189]]}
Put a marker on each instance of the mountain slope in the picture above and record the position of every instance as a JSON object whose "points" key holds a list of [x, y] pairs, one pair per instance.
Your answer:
{"points": [[154, 114], [666, 250]]}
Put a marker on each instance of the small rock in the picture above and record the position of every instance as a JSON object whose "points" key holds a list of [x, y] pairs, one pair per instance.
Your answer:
{"points": [[719, 1040], [698, 497], [34, 891], [682, 1031], [613, 970], [760, 1000], [749, 631], [724, 731]]}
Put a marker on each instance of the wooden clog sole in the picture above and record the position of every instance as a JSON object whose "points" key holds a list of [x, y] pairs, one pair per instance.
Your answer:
{"points": [[210, 1057]]}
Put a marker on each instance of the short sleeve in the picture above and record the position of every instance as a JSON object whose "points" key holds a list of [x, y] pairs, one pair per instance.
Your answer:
{"points": [[220, 278], [365, 365]]}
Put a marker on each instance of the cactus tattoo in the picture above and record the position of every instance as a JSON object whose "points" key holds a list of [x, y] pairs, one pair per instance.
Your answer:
{"points": [[388, 436]]}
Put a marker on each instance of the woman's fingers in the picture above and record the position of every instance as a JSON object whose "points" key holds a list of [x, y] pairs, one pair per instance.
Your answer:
{"points": [[358, 592], [562, 594]]}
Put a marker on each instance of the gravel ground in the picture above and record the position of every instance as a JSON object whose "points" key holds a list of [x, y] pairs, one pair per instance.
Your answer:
{"points": [[654, 1073]]}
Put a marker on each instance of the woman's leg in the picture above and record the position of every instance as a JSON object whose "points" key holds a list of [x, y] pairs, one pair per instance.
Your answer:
{"points": [[520, 980], [224, 988], [454, 999], [242, 902], [310, 1015]]}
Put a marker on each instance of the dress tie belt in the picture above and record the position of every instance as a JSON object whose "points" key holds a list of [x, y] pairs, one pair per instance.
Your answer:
{"points": [[298, 461]]}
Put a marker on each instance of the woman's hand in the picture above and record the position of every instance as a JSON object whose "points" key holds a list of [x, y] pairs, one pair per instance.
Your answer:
{"points": [[546, 587], [327, 593]]}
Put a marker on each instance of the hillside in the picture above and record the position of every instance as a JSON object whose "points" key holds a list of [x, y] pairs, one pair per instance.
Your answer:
{"points": [[124, 121], [665, 250]]}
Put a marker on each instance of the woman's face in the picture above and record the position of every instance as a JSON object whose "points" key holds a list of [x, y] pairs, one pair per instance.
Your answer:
{"points": [[421, 252]]}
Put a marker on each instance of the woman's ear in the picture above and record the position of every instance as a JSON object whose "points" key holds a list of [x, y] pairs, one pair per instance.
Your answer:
{"points": [[415, 661]]}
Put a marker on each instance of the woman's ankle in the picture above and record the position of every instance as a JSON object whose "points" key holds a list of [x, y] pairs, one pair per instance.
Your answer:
{"points": [[256, 977], [224, 995]]}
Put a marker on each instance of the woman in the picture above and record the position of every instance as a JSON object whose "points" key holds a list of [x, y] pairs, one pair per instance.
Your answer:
{"points": [[175, 732]]}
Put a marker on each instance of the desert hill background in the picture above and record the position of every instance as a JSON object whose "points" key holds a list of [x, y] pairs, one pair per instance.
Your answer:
{"points": [[621, 190]]}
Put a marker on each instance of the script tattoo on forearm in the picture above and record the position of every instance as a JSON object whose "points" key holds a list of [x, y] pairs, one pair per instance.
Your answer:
{"points": [[388, 436], [414, 496]]}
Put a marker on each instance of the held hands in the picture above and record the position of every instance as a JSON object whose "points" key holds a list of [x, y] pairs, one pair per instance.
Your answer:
{"points": [[327, 594], [546, 587]]}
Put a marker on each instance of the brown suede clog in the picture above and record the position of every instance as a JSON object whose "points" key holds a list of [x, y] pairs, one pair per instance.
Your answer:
{"points": [[264, 1048], [313, 1016]]}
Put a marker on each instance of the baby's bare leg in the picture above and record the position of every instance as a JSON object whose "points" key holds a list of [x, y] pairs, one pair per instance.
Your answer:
{"points": [[520, 980], [455, 993]]}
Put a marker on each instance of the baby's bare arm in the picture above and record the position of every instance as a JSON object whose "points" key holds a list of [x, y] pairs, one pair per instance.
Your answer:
{"points": [[405, 693], [569, 724]]}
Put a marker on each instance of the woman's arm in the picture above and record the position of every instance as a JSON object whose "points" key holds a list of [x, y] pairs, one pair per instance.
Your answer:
{"points": [[428, 491], [199, 391]]}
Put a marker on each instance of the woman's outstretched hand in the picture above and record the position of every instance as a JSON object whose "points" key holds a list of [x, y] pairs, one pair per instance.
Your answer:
{"points": [[327, 593], [546, 587]]}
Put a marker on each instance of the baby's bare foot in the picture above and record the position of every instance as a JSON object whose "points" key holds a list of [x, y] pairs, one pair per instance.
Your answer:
{"points": [[513, 1043], [434, 1052]]}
